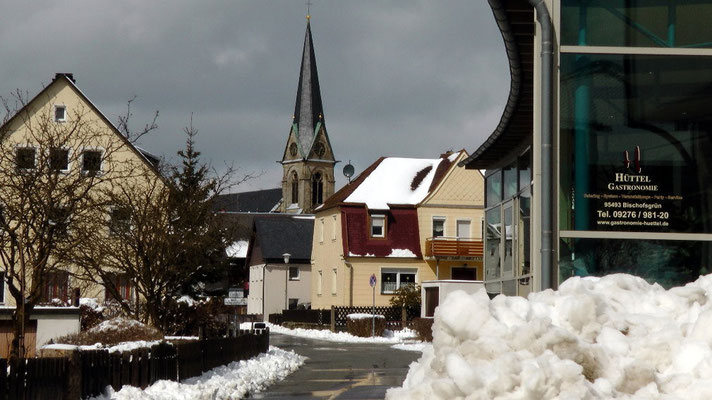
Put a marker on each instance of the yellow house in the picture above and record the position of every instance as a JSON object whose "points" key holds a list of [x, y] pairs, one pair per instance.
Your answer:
{"points": [[402, 221], [58, 152]]}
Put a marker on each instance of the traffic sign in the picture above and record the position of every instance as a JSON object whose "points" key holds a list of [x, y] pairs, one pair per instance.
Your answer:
{"points": [[372, 280], [232, 301]]}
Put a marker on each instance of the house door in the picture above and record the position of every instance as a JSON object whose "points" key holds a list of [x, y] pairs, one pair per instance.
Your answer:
{"points": [[463, 229]]}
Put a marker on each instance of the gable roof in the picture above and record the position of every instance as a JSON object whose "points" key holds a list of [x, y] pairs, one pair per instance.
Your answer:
{"points": [[394, 181], [150, 160], [285, 234], [255, 201]]}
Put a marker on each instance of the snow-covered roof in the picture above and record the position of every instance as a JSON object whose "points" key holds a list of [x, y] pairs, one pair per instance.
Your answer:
{"points": [[390, 183], [238, 249]]}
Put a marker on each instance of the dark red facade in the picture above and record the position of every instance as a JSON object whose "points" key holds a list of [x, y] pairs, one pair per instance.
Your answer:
{"points": [[401, 231]]}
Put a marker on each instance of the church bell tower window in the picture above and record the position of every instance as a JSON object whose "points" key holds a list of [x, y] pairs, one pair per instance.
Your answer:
{"points": [[295, 188], [317, 189]]}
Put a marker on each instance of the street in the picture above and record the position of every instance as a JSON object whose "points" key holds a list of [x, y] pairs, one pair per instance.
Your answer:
{"points": [[340, 370]]}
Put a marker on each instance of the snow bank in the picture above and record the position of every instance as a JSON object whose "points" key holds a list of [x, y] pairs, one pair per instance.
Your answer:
{"points": [[389, 337], [364, 316], [117, 324], [611, 337], [234, 381]]}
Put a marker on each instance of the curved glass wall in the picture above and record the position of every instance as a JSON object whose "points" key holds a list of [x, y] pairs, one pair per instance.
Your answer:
{"points": [[636, 23]]}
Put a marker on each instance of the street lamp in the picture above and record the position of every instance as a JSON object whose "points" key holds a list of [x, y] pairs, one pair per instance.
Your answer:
{"points": [[286, 279]]}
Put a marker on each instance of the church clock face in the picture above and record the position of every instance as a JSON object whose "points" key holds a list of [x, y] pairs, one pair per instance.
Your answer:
{"points": [[319, 149], [293, 149]]}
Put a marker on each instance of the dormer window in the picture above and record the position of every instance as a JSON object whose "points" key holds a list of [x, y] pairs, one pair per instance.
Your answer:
{"points": [[378, 225], [60, 113]]}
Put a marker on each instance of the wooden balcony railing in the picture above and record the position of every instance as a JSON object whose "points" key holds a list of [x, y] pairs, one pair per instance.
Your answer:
{"points": [[453, 247]]}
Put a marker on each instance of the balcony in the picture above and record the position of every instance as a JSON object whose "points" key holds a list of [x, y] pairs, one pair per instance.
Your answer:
{"points": [[453, 248]]}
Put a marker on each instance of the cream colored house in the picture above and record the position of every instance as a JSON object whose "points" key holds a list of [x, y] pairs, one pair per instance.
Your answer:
{"points": [[402, 220], [59, 143]]}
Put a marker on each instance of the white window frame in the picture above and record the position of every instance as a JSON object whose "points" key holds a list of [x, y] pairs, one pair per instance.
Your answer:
{"points": [[398, 272], [99, 150], [333, 228], [457, 223], [110, 221], [378, 217], [294, 268], [334, 285], [64, 113], [321, 230], [441, 219], [320, 280], [69, 158]]}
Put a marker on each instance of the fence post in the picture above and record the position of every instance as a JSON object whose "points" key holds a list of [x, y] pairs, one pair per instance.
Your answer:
{"points": [[333, 319], [74, 376], [404, 316]]}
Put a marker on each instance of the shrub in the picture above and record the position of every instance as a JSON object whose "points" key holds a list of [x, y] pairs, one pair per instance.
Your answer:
{"points": [[90, 316], [184, 317], [407, 297], [112, 332], [424, 328], [363, 326]]}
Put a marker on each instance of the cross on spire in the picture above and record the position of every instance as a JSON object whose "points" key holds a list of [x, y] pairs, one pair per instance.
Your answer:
{"points": [[309, 3]]}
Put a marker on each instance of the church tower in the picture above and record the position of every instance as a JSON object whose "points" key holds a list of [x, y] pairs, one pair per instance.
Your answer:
{"points": [[308, 160]]}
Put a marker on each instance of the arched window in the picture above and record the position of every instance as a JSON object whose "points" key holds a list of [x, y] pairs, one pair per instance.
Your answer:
{"points": [[295, 188], [317, 189]]}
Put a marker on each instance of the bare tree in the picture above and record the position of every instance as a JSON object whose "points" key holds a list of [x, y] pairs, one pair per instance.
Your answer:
{"points": [[56, 164], [166, 238]]}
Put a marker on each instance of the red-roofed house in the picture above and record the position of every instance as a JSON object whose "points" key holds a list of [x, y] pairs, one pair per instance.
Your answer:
{"points": [[404, 220]]}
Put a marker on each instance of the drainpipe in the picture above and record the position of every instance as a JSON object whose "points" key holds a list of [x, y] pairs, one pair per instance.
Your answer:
{"points": [[547, 72], [351, 282]]}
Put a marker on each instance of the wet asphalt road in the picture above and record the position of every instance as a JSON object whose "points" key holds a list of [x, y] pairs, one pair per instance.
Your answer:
{"points": [[339, 370]]}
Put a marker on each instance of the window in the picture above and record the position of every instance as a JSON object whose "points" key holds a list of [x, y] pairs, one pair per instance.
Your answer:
{"points": [[333, 281], [120, 220], [2, 287], [295, 188], [463, 229], [25, 157], [55, 286], [333, 228], [378, 226], [58, 220], [60, 113], [320, 280], [293, 273], [317, 189], [321, 230], [59, 159], [392, 279], [438, 227], [122, 284], [91, 161]]}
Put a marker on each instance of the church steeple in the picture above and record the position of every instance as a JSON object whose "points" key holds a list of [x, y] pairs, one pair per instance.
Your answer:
{"points": [[308, 111], [308, 160]]}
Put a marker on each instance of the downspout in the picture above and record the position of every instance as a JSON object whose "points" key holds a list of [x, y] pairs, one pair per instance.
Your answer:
{"points": [[351, 282], [547, 72]]}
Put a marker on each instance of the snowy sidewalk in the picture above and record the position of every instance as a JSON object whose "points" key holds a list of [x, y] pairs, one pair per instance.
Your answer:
{"points": [[233, 381]]}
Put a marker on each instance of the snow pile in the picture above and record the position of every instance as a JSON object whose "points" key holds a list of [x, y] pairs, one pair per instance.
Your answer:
{"points": [[401, 253], [390, 183], [236, 380], [91, 303], [117, 324], [364, 316], [392, 337], [610, 337]]}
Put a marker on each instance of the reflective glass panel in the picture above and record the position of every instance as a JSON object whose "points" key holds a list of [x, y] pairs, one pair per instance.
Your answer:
{"points": [[494, 188], [635, 140], [493, 238], [636, 23]]}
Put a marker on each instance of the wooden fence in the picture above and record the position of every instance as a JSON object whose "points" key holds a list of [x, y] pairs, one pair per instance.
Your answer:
{"points": [[396, 317], [88, 373]]}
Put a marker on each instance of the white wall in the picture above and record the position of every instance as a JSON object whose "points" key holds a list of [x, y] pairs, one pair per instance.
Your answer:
{"points": [[54, 327]]}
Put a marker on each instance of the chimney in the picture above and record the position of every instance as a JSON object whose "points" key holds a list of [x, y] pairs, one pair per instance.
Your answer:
{"points": [[69, 76]]}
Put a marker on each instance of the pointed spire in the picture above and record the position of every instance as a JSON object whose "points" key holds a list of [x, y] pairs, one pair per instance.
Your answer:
{"points": [[308, 110]]}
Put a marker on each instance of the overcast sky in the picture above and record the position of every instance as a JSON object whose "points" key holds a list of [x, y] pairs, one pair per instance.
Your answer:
{"points": [[398, 78]]}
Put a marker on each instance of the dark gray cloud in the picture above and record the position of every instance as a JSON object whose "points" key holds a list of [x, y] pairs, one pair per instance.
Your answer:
{"points": [[401, 77]]}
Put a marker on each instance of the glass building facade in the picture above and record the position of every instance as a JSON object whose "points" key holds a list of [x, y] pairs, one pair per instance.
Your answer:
{"points": [[635, 139]]}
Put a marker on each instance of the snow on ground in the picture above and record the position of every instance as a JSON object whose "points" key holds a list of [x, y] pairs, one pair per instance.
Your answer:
{"points": [[595, 338], [116, 324], [233, 381], [405, 339]]}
